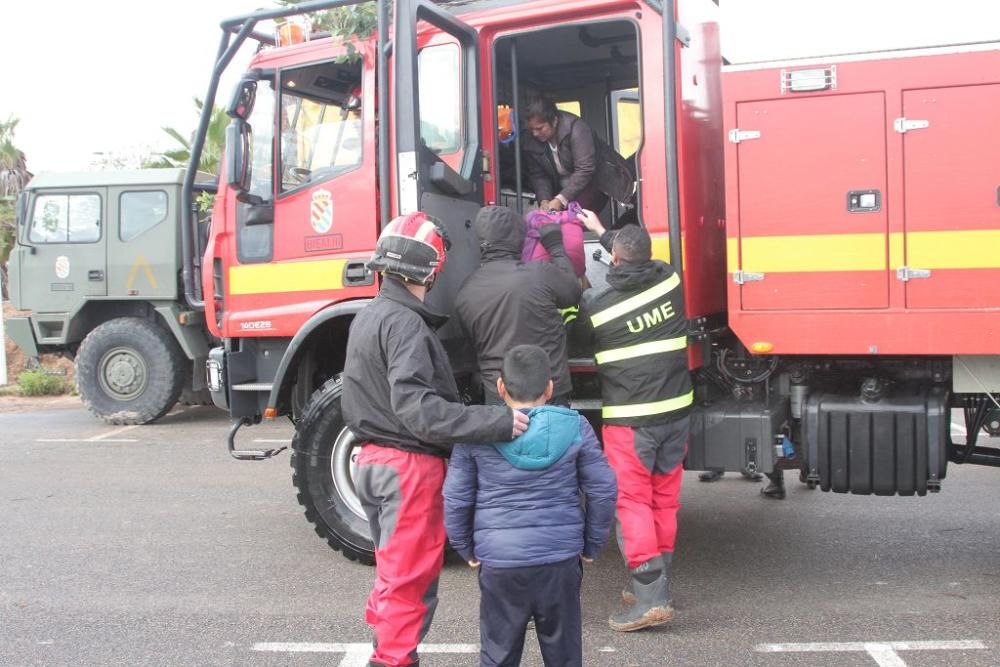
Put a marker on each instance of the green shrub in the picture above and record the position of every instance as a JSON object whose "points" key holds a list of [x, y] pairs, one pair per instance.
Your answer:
{"points": [[40, 383]]}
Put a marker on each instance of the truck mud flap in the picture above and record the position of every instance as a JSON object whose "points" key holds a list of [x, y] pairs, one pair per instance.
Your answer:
{"points": [[893, 445]]}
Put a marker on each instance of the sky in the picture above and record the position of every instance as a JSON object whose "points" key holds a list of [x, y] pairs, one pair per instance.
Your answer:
{"points": [[102, 77]]}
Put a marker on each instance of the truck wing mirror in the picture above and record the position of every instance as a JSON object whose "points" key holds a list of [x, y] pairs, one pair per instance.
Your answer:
{"points": [[241, 105], [238, 155], [21, 208]]}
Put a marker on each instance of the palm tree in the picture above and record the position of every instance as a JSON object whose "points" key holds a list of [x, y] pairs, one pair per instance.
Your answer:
{"points": [[211, 152], [14, 177]]}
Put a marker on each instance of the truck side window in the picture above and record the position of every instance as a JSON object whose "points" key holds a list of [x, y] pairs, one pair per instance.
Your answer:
{"points": [[254, 243], [139, 211], [441, 98], [321, 130], [66, 219]]}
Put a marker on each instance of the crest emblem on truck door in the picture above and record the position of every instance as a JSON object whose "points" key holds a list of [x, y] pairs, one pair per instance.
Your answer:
{"points": [[321, 213], [62, 267]]}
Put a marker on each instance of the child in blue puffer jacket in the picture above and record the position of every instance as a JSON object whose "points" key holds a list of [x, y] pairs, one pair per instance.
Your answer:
{"points": [[513, 510]]}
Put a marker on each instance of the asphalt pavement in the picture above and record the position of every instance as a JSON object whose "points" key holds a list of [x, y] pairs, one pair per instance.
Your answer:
{"points": [[150, 546]]}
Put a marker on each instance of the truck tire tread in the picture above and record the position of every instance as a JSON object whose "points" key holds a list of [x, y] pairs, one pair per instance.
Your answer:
{"points": [[163, 359], [322, 410]]}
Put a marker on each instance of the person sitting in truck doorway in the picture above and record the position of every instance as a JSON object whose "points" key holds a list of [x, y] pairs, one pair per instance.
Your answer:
{"points": [[567, 162], [401, 402], [507, 302], [640, 343]]}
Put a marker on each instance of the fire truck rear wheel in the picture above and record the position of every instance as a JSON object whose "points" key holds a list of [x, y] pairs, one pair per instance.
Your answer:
{"points": [[129, 371], [323, 453]]}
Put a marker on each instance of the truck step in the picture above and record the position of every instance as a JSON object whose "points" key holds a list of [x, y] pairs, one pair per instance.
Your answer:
{"points": [[253, 386], [582, 364], [585, 404]]}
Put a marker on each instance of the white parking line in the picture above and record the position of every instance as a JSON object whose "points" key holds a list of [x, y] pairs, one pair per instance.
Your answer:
{"points": [[355, 654], [105, 436], [85, 440], [884, 653]]}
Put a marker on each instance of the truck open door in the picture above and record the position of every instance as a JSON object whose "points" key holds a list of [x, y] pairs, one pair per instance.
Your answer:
{"points": [[437, 142]]}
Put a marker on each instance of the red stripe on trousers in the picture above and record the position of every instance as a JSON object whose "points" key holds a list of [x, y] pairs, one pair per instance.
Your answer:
{"points": [[647, 502], [411, 558]]}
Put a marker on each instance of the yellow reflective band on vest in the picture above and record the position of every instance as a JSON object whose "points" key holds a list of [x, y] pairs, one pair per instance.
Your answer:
{"points": [[637, 301], [569, 314], [641, 350], [647, 409]]}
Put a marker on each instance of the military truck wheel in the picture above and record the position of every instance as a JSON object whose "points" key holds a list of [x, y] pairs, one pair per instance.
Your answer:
{"points": [[323, 455], [129, 371]]}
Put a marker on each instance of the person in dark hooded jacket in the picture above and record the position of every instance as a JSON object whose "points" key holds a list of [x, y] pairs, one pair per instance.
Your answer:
{"points": [[513, 510], [507, 302]]}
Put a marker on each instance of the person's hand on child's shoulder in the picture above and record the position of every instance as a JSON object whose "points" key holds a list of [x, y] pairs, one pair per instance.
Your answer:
{"points": [[520, 423]]}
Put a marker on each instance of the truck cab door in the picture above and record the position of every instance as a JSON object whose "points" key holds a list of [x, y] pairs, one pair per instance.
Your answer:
{"points": [[61, 250], [438, 144], [143, 242]]}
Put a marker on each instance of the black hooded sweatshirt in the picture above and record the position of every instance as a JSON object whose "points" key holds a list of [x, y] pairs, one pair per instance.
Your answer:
{"points": [[507, 302]]}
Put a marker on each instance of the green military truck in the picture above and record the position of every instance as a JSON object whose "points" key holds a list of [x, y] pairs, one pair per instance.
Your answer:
{"points": [[98, 262]]}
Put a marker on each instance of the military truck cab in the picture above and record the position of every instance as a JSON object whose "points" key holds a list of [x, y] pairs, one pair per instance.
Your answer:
{"points": [[97, 262]]}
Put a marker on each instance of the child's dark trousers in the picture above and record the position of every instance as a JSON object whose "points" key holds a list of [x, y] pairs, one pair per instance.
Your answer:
{"points": [[510, 597]]}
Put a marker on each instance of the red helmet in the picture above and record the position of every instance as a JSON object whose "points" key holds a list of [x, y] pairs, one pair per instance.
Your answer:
{"points": [[412, 246]]}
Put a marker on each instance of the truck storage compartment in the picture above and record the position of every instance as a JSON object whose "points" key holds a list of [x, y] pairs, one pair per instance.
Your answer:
{"points": [[734, 435], [895, 444]]}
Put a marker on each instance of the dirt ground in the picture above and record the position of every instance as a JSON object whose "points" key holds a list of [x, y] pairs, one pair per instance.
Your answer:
{"points": [[17, 362]]}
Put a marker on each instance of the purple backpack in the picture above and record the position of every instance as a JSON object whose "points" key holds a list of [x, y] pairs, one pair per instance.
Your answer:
{"points": [[572, 233]]}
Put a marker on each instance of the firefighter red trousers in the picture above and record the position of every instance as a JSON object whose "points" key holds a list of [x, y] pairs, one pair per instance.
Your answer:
{"points": [[648, 462], [401, 495]]}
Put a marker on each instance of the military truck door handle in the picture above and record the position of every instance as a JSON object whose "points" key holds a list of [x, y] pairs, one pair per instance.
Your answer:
{"points": [[96, 276], [355, 273]]}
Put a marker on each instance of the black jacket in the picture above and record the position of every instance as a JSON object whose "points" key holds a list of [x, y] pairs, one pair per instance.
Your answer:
{"points": [[643, 306], [507, 302], [398, 385], [595, 167]]}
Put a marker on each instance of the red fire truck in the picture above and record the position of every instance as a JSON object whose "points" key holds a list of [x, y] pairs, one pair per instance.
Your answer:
{"points": [[836, 222]]}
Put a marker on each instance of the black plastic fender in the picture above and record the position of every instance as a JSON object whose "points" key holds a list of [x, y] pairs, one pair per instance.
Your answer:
{"points": [[292, 352]]}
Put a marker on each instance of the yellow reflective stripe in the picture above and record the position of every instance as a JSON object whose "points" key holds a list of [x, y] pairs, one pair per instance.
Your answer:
{"points": [[820, 252], [637, 301], [647, 409], [641, 350], [569, 314], [969, 249], [304, 276], [949, 249]]}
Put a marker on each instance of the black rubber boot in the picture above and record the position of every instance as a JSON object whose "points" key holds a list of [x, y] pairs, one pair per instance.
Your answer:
{"points": [[776, 489], [628, 595], [651, 587], [711, 476]]}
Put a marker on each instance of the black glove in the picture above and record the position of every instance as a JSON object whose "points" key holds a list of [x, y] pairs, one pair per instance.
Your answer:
{"points": [[551, 236]]}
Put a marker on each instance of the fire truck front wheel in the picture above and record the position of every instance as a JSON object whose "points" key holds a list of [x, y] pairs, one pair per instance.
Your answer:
{"points": [[129, 371], [323, 454]]}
